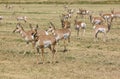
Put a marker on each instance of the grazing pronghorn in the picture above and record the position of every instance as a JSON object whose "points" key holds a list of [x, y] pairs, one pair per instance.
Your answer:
{"points": [[80, 25], [64, 22], [60, 34], [96, 20], [107, 16], [44, 41], [8, 6], [103, 29], [27, 34], [115, 14], [24, 18]]}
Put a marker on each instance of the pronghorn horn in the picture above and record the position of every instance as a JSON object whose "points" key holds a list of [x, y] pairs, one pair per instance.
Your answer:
{"points": [[18, 24], [52, 25], [37, 26]]}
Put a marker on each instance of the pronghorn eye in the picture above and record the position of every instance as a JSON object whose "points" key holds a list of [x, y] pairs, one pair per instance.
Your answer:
{"points": [[32, 33], [50, 27]]}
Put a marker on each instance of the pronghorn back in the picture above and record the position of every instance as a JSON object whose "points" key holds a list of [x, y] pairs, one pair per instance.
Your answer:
{"points": [[43, 41]]}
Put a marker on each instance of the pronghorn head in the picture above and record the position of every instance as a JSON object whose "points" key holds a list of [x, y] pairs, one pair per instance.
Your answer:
{"points": [[112, 11], [33, 28], [18, 28], [34, 33], [51, 28], [101, 13]]}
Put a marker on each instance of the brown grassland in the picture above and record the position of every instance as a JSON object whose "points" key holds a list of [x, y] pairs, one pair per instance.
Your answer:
{"points": [[85, 59]]}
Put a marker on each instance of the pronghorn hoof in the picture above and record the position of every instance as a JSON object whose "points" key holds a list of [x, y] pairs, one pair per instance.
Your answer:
{"points": [[65, 50], [56, 62], [48, 61], [77, 37], [40, 63]]}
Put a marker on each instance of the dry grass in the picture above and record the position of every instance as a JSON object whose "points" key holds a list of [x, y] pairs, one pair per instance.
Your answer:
{"points": [[85, 59]]}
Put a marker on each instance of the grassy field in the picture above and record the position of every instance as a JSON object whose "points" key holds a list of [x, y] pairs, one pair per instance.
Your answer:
{"points": [[85, 59], [61, 1]]}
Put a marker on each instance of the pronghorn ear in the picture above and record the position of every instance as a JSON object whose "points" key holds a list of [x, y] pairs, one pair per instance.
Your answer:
{"points": [[30, 25], [18, 25], [37, 26]]}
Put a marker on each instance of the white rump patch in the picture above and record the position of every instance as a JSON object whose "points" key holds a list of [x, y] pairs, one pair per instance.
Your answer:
{"points": [[101, 29], [47, 43], [66, 35], [83, 25], [46, 33], [57, 37], [26, 38], [94, 27]]}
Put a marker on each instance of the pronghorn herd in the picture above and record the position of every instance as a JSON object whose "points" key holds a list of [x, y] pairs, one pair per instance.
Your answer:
{"points": [[49, 38]]}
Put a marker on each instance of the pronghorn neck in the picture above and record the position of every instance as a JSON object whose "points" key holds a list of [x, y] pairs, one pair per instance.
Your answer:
{"points": [[109, 26], [90, 18], [22, 33]]}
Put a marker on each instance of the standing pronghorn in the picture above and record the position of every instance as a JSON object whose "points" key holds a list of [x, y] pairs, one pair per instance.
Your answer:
{"points": [[64, 22], [69, 11], [82, 12], [24, 18], [103, 29], [107, 16], [80, 25], [60, 34], [115, 14], [96, 20], [44, 41], [27, 34]]}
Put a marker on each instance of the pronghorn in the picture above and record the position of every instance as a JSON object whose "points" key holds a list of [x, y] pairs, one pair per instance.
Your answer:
{"points": [[24, 18], [107, 16], [44, 41], [60, 34], [69, 11], [66, 16], [96, 20], [103, 29], [8, 6], [27, 34], [115, 14], [79, 25], [83, 12], [64, 22]]}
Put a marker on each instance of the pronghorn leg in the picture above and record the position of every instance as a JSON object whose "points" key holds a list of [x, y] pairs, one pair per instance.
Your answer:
{"points": [[26, 47], [64, 46], [53, 53], [83, 32], [96, 33], [25, 21], [37, 55], [78, 32], [42, 49], [69, 39], [104, 37]]}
